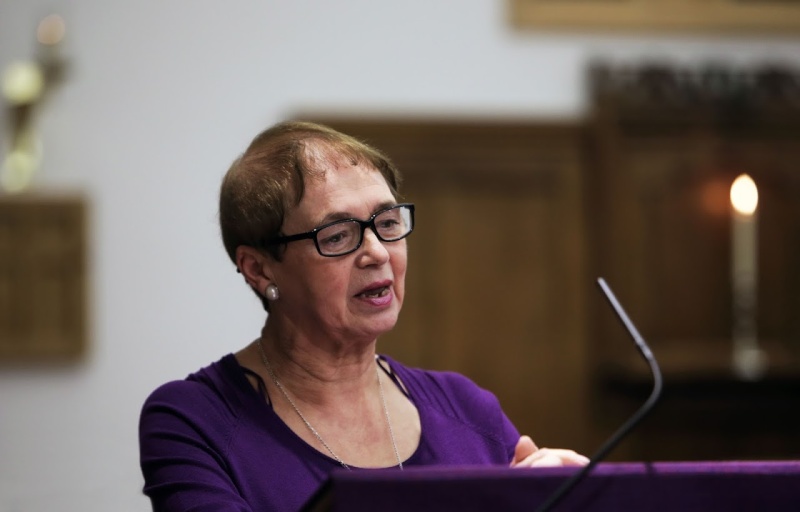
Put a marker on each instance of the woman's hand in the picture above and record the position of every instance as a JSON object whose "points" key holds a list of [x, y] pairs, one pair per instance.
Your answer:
{"points": [[528, 455]]}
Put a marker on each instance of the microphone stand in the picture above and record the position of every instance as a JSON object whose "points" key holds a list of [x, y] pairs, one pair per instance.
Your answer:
{"points": [[612, 442]]}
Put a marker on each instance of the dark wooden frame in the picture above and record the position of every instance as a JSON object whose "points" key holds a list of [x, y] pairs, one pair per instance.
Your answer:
{"points": [[43, 277], [763, 16]]}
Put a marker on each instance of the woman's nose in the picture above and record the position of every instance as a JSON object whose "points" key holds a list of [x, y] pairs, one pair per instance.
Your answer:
{"points": [[373, 249]]}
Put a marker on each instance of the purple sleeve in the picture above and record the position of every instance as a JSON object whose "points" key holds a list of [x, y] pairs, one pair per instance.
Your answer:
{"points": [[485, 406], [511, 435], [182, 438]]}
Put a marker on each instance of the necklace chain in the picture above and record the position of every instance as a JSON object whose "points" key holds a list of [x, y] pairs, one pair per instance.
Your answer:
{"points": [[311, 428]]}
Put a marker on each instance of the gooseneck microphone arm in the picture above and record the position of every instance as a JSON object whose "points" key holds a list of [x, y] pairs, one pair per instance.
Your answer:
{"points": [[612, 442]]}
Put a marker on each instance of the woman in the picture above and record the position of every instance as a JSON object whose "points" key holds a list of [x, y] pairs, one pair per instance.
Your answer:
{"points": [[311, 219]]}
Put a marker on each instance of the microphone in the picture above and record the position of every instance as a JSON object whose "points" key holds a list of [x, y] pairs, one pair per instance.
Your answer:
{"points": [[612, 442]]}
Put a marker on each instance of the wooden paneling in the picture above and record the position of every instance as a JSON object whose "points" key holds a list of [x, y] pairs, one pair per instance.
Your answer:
{"points": [[43, 253], [665, 150], [495, 263], [760, 16], [516, 220]]}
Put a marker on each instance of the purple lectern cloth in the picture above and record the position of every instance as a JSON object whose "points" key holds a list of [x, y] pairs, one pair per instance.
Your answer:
{"points": [[212, 443], [610, 487]]}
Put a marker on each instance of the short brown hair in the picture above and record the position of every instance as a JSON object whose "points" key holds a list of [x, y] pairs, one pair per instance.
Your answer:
{"points": [[270, 177]]}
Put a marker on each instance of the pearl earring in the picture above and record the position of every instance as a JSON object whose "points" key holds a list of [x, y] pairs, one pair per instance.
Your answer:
{"points": [[272, 293]]}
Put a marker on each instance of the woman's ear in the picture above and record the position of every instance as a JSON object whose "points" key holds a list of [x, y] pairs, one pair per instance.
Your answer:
{"points": [[255, 267]]}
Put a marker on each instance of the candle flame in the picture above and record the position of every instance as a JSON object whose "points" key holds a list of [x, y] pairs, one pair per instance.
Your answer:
{"points": [[744, 195]]}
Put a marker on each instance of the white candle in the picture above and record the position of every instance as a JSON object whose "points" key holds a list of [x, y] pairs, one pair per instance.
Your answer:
{"points": [[749, 360], [744, 199]]}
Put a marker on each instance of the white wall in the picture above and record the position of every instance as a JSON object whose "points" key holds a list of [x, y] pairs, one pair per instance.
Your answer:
{"points": [[162, 95]]}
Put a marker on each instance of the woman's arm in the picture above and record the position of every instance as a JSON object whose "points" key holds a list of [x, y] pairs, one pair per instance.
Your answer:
{"points": [[181, 443]]}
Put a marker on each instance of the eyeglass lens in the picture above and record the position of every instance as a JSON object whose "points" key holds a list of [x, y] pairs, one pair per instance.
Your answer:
{"points": [[341, 237]]}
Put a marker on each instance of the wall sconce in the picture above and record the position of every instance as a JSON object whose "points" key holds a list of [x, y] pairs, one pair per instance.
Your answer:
{"points": [[25, 86]]}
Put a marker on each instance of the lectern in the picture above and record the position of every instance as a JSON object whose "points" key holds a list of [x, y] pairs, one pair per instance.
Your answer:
{"points": [[660, 487]]}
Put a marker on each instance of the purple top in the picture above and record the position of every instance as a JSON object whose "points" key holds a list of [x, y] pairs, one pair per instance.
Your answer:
{"points": [[213, 443]]}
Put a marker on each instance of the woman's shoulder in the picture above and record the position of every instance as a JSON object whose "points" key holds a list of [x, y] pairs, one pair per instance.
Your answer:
{"points": [[453, 406], [447, 390], [446, 378], [212, 390]]}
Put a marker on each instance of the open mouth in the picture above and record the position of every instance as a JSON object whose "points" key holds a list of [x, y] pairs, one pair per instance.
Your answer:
{"points": [[375, 292]]}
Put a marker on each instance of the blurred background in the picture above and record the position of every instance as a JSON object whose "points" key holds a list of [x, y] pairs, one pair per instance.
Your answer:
{"points": [[541, 154]]}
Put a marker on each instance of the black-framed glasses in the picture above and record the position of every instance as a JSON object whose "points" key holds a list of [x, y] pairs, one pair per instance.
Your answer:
{"points": [[345, 236]]}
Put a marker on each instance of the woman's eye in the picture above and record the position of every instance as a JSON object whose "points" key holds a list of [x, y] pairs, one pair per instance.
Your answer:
{"points": [[388, 224], [336, 238]]}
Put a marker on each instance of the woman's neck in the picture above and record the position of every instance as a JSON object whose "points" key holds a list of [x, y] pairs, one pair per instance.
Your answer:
{"points": [[315, 370]]}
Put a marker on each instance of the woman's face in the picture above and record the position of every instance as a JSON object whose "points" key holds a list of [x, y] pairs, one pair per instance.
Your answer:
{"points": [[355, 296]]}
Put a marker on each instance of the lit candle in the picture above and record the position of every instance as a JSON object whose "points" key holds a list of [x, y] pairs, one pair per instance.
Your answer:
{"points": [[744, 198], [749, 361]]}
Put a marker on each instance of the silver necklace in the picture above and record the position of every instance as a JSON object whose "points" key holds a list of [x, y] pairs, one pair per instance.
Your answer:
{"points": [[311, 428]]}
